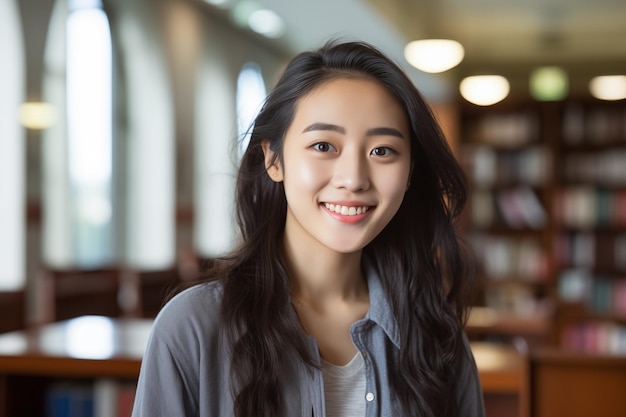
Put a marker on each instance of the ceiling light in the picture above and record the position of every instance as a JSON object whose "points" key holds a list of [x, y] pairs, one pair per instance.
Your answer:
{"points": [[37, 115], [484, 90], [267, 23], [250, 15], [549, 83], [219, 3], [608, 87], [434, 55]]}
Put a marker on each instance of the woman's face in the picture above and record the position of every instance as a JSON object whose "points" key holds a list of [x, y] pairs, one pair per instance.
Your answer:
{"points": [[346, 164]]}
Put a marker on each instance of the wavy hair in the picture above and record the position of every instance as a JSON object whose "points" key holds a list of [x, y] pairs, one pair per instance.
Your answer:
{"points": [[424, 271]]}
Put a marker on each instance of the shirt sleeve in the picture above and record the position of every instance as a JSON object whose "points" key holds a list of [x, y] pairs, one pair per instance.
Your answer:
{"points": [[169, 379], [469, 390], [166, 386]]}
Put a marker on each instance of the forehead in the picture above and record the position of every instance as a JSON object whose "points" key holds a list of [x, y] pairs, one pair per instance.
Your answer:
{"points": [[356, 99]]}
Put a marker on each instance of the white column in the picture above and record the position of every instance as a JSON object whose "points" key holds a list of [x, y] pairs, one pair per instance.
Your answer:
{"points": [[12, 169], [215, 155], [150, 205], [56, 239]]}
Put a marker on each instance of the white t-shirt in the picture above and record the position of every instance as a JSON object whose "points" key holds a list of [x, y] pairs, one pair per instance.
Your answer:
{"points": [[344, 388]]}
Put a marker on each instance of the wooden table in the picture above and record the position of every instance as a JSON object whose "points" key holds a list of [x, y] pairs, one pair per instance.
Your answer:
{"points": [[93, 347], [574, 384], [84, 348]]}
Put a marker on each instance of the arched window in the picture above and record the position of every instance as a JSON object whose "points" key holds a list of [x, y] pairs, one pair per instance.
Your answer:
{"points": [[250, 96], [12, 170], [89, 132], [78, 224]]}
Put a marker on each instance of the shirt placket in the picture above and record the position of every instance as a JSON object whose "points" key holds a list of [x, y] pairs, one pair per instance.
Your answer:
{"points": [[359, 336]]}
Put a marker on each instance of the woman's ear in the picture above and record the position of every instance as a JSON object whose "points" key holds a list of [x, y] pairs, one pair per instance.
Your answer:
{"points": [[272, 165]]}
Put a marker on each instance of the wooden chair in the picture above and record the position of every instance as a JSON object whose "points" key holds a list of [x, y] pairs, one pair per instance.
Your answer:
{"points": [[155, 288], [64, 294], [12, 311]]}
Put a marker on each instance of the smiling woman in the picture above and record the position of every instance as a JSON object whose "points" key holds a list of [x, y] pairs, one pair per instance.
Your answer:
{"points": [[350, 277]]}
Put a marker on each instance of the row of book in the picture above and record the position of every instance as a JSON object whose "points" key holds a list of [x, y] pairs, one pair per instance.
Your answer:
{"points": [[102, 398], [595, 126], [515, 298], [488, 166], [506, 130], [516, 208], [589, 207], [600, 293], [599, 251], [595, 337], [607, 167], [507, 258]]}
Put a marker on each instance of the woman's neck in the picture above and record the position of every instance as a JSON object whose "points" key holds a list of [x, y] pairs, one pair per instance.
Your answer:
{"points": [[324, 276]]}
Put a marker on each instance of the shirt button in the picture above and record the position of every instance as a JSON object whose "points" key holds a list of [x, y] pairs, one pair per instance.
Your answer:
{"points": [[364, 354], [369, 397]]}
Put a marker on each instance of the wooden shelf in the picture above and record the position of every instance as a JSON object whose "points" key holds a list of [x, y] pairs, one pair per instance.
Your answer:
{"points": [[487, 321]]}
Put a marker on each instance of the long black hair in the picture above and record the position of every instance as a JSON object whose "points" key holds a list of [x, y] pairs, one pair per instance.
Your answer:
{"points": [[424, 271]]}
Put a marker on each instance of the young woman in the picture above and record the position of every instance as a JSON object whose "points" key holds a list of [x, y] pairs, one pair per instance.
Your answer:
{"points": [[346, 295]]}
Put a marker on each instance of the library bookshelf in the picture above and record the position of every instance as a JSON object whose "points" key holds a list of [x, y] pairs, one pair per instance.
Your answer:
{"points": [[507, 151], [547, 215]]}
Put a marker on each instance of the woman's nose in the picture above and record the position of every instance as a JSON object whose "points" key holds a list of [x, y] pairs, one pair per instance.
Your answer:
{"points": [[351, 172]]}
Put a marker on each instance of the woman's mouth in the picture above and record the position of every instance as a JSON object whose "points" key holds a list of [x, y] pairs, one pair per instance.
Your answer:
{"points": [[346, 210]]}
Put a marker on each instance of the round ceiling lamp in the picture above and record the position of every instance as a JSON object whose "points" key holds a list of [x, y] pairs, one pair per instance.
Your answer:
{"points": [[267, 23], [484, 90], [250, 14], [434, 55], [549, 83], [608, 87]]}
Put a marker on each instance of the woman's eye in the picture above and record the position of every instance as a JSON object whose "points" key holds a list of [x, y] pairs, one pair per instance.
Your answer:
{"points": [[323, 147], [382, 151]]}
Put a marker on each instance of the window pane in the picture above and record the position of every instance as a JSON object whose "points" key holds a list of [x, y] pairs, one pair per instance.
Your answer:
{"points": [[250, 95], [89, 116]]}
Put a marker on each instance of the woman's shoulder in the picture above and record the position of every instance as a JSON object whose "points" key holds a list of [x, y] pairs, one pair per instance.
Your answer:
{"points": [[195, 309], [202, 295]]}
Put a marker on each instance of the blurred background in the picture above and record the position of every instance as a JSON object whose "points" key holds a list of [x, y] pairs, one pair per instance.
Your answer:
{"points": [[122, 123]]}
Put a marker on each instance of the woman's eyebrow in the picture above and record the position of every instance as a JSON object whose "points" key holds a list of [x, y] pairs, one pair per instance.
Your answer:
{"points": [[376, 131], [324, 126], [384, 131]]}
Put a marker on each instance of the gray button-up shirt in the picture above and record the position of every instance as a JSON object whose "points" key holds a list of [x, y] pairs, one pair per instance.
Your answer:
{"points": [[185, 370]]}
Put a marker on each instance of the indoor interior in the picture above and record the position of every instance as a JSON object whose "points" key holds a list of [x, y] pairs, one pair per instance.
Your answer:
{"points": [[122, 123]]}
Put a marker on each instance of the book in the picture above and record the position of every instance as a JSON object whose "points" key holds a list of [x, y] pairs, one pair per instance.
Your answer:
{"points": [[69, 400]]}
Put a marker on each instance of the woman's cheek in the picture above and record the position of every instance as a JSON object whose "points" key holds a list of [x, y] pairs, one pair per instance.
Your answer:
{"points": [[309, 174]]}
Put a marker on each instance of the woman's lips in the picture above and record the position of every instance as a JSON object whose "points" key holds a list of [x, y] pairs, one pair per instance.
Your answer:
{"points": [[348, 213]]}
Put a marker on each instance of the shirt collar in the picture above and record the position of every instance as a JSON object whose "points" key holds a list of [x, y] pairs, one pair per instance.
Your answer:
{"points": [[380, 310]]}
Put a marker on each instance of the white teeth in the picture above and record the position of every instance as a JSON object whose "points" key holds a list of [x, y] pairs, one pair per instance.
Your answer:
{"points": [[345, 210]]}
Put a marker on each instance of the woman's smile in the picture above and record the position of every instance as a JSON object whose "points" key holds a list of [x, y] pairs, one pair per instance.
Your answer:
{"points": [[348, 213]]}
